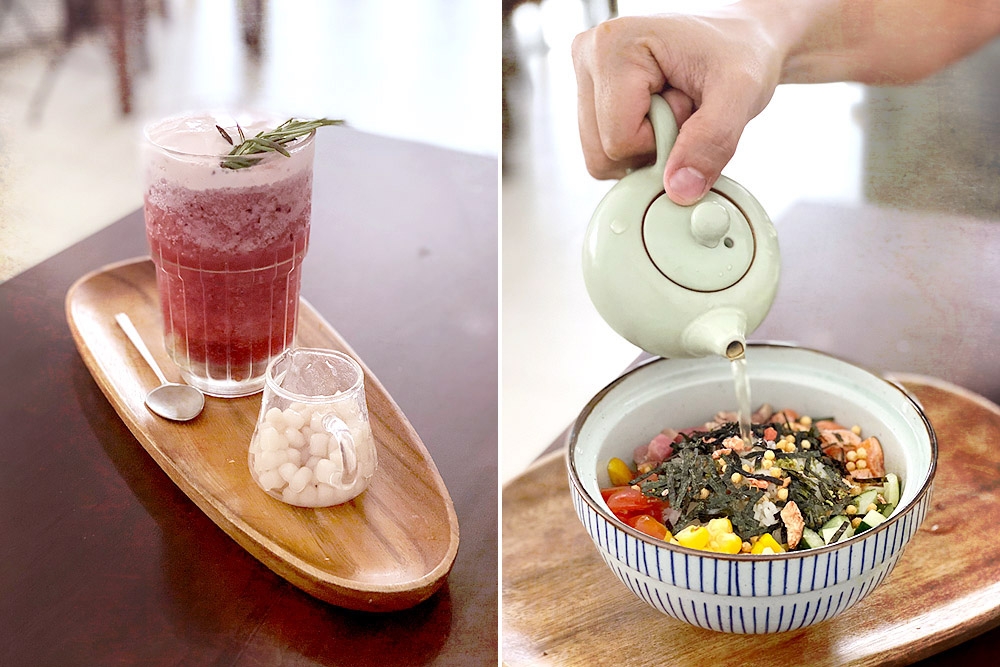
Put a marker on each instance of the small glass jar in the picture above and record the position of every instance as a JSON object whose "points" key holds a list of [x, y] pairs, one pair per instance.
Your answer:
{"points": [[313, 444]]}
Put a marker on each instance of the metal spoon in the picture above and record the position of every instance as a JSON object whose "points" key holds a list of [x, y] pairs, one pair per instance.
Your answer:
{"points": [[177, 402]]}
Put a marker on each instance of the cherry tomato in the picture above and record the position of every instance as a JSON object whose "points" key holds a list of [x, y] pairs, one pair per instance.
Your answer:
{"points": [[606, 493], [649, 525], [629, 501]]}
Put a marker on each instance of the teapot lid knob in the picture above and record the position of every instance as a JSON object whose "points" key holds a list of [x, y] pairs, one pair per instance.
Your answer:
{"points": [[709, 223]]}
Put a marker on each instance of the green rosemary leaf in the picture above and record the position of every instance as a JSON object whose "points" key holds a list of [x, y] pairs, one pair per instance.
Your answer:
{"points": [[268, 144], [269, 141]]}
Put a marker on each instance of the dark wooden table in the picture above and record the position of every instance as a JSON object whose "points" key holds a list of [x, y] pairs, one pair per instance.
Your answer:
{"points": [[105, 561], [892, 290]]}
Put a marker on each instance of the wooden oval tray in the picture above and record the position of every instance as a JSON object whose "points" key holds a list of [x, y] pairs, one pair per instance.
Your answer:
{"points": [[388, 549], [563, 606]]}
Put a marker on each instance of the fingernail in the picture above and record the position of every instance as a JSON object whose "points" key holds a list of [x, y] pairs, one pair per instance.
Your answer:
{"points": [[687, 184]]}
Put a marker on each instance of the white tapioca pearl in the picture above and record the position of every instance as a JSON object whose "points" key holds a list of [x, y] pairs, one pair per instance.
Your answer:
{"points": [[294, 437], [295, 455], [325, 495], [318, 443], [313, 460], [293, 418], [289, 496], [255, 445], [287, 471], [270, 480], [316, 421], [271, 440], [272, 460], [302, 477], [300, 407], [324, 471], [309, 496], [275, 418], [330, 472]]}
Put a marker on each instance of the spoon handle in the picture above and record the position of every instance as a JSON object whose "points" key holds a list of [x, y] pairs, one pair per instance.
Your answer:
{"points": [[133, 335]]}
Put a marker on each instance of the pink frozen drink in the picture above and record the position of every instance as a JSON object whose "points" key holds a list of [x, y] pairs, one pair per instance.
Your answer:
{"points": [[228, 246]]}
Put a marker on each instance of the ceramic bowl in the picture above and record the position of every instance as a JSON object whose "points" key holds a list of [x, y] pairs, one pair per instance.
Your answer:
{"points": [[746, 593]]}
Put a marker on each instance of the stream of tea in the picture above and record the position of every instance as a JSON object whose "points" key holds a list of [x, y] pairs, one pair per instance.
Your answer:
{"points": [[741, 381]]}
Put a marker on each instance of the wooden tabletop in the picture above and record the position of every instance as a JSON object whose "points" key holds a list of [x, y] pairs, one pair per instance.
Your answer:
{"points": [[942, 592], [106, 561]]}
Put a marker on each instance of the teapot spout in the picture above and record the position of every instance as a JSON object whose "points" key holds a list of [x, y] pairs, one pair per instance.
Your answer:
{"points": [[721, 331]]}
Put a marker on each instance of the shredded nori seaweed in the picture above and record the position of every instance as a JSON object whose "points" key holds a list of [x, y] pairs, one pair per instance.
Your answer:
{"points": [[817, 483]]}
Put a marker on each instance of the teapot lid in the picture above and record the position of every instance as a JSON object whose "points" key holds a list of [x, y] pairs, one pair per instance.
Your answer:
{"points": [[706, 248]]}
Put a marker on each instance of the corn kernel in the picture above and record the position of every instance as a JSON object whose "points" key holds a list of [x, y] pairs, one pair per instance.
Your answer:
{"points": [[782, 494], [619, 472], [871, 507], [736, 478], [746, 547], [747, 467], [703, 494], [806, 421], [727, 543], [851, 510], [769, 455], [766, 544], [720, 526], [856, 430], [694, 537], [856, 521]]}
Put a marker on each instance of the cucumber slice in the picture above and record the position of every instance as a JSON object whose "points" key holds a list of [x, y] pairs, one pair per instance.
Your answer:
{"points": [[870, 520], [891, 493], [836, 529], [865, 499], [811, 539]]}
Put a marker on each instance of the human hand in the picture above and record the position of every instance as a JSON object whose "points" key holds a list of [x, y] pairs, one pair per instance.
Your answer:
{"points": [[715, 71]]}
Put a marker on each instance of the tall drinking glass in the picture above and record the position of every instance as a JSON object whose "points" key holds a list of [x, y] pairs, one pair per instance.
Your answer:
{"points": [[228, 246]]}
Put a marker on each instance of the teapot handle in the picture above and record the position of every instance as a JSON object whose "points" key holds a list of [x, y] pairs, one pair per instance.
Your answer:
{"points": [[664, 130]]}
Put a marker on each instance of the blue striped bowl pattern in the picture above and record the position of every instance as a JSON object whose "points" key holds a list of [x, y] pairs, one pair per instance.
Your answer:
{"points": [[744, 593]]}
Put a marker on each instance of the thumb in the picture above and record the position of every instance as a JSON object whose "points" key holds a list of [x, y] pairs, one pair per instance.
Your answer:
{"points": [[705, 144]]}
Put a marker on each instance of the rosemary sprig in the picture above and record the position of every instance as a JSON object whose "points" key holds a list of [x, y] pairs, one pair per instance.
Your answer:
{"points": [[268, 141]]}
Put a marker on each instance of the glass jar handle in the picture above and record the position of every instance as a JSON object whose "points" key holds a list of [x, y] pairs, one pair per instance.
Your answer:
{"points": [[348, 470]]}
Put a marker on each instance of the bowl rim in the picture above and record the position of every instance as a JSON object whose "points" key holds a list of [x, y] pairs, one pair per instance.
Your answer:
{"points": [[604, 513]]}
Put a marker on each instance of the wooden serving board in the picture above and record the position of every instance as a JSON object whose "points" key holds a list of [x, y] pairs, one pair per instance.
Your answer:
{"points": [[390, 548], [563, 606]]}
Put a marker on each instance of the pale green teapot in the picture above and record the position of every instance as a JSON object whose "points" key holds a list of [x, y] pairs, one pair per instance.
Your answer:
{"points": [[680, 281]]}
